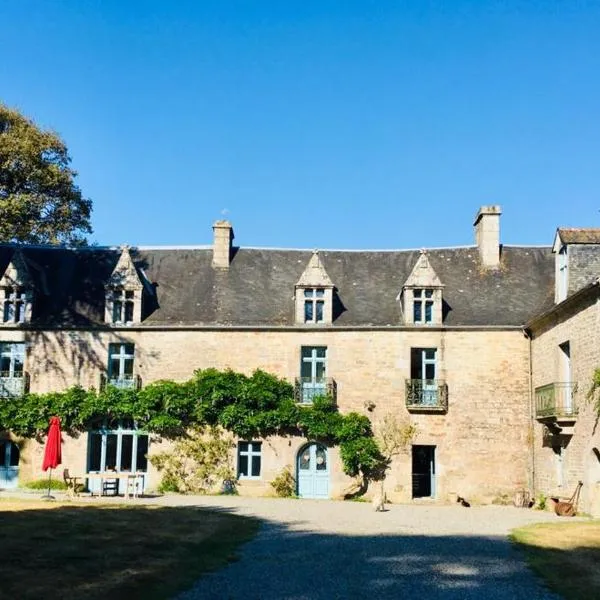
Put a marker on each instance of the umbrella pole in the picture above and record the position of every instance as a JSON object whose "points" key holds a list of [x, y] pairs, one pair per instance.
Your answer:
{"points": [[49, 496]]}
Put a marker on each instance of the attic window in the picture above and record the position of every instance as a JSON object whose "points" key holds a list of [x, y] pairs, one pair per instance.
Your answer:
{"points": [[423, 306], [15, 304], [123, 304], [314, 304]]}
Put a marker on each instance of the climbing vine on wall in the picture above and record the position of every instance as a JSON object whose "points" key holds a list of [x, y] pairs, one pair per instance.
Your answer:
{"points": [[594, 391], [252, 406]]}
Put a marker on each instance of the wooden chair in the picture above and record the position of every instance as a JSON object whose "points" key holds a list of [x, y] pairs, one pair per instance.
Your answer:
{"points": [[110, 487], [74, 484]]}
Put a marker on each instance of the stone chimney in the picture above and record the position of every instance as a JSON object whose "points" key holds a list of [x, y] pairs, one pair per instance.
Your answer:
{"points": [[487, 235], [222, 238]]}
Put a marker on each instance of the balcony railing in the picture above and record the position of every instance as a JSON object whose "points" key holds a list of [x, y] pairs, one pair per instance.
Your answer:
{"points": [[13, 386], [555, 401], [307, 389], [427, 395], [123, 382]]}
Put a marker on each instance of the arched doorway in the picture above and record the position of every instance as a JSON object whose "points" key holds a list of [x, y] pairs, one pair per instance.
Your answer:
{"points": [[312, 468], [9, 464]]}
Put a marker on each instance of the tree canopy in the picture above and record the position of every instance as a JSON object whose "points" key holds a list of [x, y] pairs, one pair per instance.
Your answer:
{"points": [[39, 201]]}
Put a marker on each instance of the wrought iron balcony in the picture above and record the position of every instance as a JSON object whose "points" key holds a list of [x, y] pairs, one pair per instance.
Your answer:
{"points": [[15, 385], [307, 389], [426, 395], [556, 401], [122, 382]]}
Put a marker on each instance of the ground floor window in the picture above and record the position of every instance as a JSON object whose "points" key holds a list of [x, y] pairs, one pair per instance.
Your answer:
{"points": [[249, 459], [117, 446]]}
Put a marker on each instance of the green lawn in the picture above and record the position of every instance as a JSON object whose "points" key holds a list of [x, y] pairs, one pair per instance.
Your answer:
{"points": [[566, 555], [71, 550]]}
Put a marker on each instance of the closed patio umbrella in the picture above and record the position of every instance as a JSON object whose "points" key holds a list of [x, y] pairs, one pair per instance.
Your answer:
{"points": [[52, 451]]}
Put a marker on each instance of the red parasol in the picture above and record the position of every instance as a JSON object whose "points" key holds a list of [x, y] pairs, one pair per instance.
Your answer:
{"points": [[52, 453]]}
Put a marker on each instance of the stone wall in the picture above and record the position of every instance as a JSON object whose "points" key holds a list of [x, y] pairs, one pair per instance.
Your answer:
{"points": [[481, 443], [579, 461]]}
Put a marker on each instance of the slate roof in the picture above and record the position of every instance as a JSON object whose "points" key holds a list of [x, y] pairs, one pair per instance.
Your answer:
{"points": [[579, 235], [183, 288]]}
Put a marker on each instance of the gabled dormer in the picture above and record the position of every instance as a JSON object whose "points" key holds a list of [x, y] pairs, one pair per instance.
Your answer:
{"points": [[16, 291], [314, 294], [577, 259], [421, 294], [123, 304]]}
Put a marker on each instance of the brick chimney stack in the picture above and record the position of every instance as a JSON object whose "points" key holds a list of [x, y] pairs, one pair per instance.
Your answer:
{"points": [[222, 244], [487, 235]]}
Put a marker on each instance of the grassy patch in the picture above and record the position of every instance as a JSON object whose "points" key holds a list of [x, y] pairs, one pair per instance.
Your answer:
{"points": [[565, 555], [55, 550], [42, 484]]}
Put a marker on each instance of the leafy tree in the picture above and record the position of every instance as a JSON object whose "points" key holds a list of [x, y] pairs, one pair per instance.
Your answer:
{"points": [[39, 201]]}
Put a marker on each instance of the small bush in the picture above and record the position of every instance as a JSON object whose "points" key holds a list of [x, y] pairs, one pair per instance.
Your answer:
{"points": [[540, 503], [284, 484], [42, 484]]}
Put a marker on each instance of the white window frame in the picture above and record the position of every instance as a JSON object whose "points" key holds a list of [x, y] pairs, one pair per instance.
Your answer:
{"points": [[254, 451], [118, 351], [423, 298], [15, 304], [313, 299], [123, 301], [104, 431], [429, 386], [313, 386]]}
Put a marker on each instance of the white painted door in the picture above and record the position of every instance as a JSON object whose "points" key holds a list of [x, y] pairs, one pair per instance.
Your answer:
{"points": [[313, 472], [9, 464]]}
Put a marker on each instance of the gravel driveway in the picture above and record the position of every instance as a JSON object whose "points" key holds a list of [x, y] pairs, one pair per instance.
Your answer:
{"points": [[324, 550]]}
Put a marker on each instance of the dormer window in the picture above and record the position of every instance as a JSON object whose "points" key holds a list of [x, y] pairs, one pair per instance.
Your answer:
{"points": [[422, 306], [16, 301], [314, 304], [124, 292], [16, 291], [421, 295], [123, 305], [314, 294]]}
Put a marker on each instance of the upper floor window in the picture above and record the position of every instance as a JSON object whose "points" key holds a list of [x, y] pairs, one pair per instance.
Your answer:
{"points": [[12, 376], [123, 304], [314, 304], [424, 390], [422, 306], [15, 305], [313, 372], [120, 365]]}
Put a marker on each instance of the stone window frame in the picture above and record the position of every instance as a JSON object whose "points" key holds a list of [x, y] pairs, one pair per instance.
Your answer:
{"points": [[327, 305], [123, 295], [123, 305], [16, 304]]}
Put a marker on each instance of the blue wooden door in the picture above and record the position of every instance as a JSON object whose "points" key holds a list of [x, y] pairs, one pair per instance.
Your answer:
{"points": [[313, 472], [9, 465]]}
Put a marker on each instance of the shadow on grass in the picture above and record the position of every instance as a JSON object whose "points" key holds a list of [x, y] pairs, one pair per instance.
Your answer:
{"points": [[119, 551], [113, 551], [568, 566]]}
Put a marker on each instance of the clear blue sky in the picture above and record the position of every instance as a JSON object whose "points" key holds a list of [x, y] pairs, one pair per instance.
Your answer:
{"points": [[316, 124]]}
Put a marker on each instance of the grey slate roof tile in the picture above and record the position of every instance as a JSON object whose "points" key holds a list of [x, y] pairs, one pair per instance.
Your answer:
{"points": [[258, 288]]}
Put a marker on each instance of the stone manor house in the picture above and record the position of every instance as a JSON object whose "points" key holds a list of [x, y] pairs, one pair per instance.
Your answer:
{"points": [[488, 349]]}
